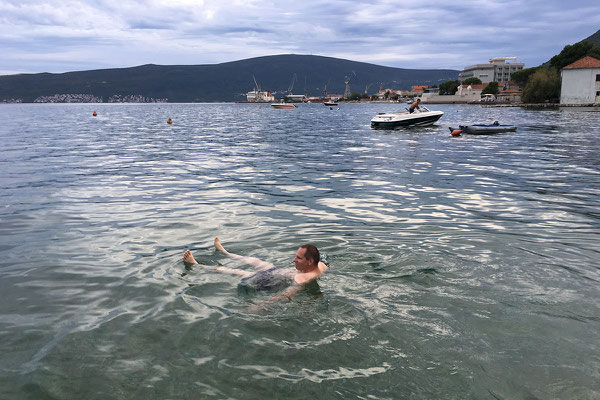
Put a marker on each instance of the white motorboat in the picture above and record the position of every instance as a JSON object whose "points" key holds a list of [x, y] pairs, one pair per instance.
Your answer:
{"points": [[422, 117]]}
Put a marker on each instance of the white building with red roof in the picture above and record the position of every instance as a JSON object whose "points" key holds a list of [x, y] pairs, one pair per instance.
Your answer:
{"points": [[581, 82]]}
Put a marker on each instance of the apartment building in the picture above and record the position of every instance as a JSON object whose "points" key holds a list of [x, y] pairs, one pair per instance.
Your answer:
{"points": [[498, 69]]}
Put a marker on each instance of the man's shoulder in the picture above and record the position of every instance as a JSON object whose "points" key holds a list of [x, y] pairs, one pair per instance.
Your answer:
{"points": [[322, 267]]}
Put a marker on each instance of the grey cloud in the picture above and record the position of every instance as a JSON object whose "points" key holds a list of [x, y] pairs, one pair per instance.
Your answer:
{"points": [[470, 30], [150, 25]]}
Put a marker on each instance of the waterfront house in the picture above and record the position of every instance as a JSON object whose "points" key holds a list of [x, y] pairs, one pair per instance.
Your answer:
{"points": [[418, 89], [430, 93], [581, 82], [385, 94], [509, 96]]}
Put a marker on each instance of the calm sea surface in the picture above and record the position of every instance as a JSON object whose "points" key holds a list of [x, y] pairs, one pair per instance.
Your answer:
{"points": [[460, 268]]}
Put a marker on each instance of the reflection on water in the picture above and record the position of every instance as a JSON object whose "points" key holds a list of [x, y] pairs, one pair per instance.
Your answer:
{"points": [[459, 267]]}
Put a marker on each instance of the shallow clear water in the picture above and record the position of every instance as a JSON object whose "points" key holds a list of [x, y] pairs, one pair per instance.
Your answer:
{"points": [[460, 268]]}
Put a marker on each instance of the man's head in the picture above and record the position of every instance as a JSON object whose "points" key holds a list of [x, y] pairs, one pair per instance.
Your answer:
{"points": [[307, 258], [418, 99]]}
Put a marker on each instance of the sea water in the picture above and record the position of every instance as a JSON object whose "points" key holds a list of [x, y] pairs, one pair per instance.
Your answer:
{"points": [[459, 268]]}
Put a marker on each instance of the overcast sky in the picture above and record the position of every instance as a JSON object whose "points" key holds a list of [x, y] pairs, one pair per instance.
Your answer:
{"points": [[71, 35]]}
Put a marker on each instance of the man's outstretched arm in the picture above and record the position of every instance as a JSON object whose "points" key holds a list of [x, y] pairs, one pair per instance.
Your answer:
{"points": [[283, 296], [304, 278]]}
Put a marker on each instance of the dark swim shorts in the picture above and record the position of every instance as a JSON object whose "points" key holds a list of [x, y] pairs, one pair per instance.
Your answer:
{"points": [[266, 281]]}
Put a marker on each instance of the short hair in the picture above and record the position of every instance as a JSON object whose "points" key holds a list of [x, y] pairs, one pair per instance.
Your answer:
{"points": [[312, 253]]}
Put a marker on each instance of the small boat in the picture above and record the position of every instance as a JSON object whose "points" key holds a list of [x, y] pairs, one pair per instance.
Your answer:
{"points": [[422, 117], [283, 105], [330, 104], [483, 129]]}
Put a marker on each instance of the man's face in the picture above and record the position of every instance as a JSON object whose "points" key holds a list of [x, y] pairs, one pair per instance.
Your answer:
{"points": [[302, 263]]}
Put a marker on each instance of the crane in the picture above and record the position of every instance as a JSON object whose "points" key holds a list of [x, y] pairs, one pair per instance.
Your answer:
{"points": [[256, 85], [292, 84], [258, 94], [347, 93]]}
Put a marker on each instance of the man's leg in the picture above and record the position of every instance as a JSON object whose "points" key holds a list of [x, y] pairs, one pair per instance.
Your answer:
{"points": [[255, 262], [189, 258]]}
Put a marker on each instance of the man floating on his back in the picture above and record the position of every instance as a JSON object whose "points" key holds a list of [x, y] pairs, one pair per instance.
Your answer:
{"points": [[269, 277]]}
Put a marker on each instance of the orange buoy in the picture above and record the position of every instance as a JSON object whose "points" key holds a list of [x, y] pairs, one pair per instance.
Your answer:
{"points": [[169, 121], [94, 113], [456, 132]]}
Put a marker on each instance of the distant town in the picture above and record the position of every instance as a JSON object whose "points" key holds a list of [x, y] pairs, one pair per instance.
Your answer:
{"points": [[469, 88], [88, 98], [490, 83]]}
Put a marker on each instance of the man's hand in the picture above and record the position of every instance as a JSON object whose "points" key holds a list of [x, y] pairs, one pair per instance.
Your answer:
{"points": [[284, 296]]}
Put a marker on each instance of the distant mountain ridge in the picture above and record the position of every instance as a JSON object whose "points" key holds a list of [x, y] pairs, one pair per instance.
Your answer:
{"points": [[216, 82]]}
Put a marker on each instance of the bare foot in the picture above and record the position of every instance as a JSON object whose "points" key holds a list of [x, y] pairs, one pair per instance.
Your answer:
{"points": [[189, 258], [219, 246]]}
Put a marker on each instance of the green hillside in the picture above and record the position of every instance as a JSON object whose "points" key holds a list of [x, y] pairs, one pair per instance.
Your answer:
{"points": [[220, 82]]}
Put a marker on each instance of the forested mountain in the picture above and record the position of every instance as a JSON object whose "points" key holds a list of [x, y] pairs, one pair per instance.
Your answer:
{"points": [[218, 82]]}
